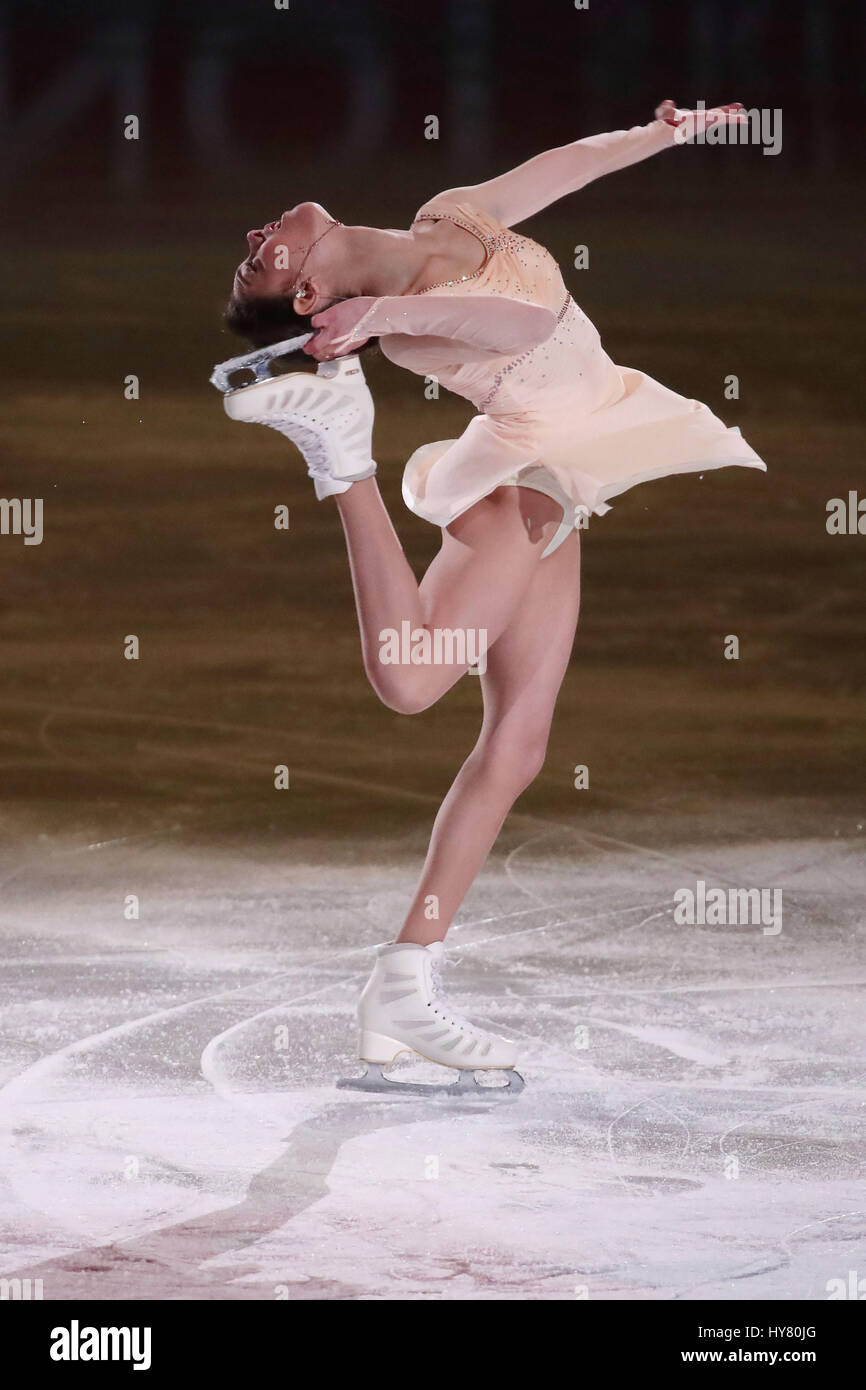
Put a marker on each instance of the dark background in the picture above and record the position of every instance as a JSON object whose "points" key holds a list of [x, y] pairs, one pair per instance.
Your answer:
{"points": [[117, 257]]}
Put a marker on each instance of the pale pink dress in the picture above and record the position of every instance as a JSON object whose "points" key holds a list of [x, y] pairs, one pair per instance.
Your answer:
{"points": [[555, 413]]}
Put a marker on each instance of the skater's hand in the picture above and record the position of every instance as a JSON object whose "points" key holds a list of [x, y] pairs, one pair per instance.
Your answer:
{"points": [[335, 328], [693, 122]]}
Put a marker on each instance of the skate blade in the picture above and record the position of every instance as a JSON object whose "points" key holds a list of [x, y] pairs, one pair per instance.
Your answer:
{"points": [[258, 363], [374, 1081]]}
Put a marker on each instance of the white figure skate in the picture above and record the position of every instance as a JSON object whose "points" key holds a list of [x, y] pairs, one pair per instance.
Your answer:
{"points": [[327, 414], [403, 1009]]}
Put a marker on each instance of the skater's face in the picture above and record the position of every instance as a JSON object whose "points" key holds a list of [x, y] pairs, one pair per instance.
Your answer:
{"points": [[288, 257]]}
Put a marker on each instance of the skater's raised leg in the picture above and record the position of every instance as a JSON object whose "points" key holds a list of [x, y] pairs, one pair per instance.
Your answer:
{"points": [[475, 584], [488, 555]]}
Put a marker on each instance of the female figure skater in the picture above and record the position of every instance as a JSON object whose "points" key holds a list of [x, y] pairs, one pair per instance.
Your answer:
{"points": [[560, 429]]}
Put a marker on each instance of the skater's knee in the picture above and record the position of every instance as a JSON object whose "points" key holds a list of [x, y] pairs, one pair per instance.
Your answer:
{"points": [[513, 759], [401, 694], [403, 701], [525, 765]]}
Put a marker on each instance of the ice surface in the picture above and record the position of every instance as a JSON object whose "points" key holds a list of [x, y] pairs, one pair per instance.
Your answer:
{"points": [[692, 1126]]}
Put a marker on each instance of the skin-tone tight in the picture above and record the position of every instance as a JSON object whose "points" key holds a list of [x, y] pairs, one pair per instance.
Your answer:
{"points": [[489, 574]]}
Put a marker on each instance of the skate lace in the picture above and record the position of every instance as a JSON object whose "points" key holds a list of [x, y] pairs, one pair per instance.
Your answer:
{"points": [[445, 1010], [311, 443]]}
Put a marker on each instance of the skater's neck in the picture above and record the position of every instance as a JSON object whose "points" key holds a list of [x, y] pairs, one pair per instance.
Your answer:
{"points": [[389, 262]]}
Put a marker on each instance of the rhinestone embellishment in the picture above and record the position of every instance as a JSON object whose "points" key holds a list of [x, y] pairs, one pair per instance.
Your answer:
{"points": [[517, 361], [486, 242]]}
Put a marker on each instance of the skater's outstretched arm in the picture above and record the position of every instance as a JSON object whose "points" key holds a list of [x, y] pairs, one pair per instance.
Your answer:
{"points": [[514, 196], [477, 325]]}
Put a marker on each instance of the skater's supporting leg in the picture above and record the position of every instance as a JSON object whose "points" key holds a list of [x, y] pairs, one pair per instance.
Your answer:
{"points": [[524, 672], [475, 584]]}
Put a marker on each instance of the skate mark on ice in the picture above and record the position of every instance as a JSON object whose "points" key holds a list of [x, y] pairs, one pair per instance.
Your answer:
{"points": [[736, 986], [216, 1075], [782, 1142], [507, 916], [858, 1215], [671, 1040], [19, 1085], [97, 958], [596, 839], [656, 1184], [763, 1263], [576, 920], [710, 874], [647, 1105], [509, 869]]}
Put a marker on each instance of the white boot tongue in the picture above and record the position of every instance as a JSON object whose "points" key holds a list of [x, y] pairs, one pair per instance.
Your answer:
{"points": [[436, 949]]}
